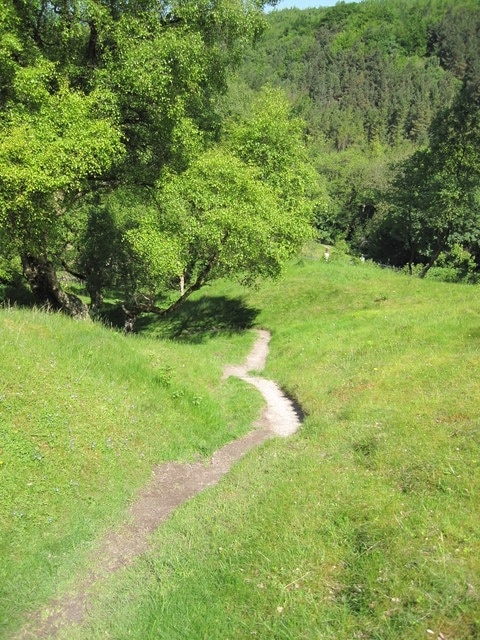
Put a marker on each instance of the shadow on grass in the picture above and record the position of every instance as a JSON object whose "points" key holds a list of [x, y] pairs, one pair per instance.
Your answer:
{"points": [[197, 320], [17, 295]]}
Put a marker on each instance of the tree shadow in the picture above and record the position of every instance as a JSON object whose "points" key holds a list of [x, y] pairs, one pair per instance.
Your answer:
{"points": [[197, 320], [200, 319], [18, 295]]}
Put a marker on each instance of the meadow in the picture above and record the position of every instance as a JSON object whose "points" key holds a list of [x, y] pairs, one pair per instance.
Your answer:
{"points": [[363, 525]]}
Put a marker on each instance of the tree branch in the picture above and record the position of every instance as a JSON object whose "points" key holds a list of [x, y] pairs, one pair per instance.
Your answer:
{"points": [[75, 274]]}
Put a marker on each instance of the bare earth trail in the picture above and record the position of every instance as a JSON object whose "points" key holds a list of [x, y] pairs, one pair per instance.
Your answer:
{"points": [[171, 485]]}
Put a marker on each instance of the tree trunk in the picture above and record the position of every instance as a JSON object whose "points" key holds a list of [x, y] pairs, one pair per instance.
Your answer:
{"points": [[94, 289], [43, 281], [96, 297], [442, 242], [198, 284], [136, 308]]}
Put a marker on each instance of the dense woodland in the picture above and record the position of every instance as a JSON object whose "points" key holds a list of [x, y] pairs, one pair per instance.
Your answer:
{"points": [[390, 93], [147, 147]]}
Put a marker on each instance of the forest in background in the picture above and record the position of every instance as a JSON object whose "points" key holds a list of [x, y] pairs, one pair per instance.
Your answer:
{"points": [[389, 91]]}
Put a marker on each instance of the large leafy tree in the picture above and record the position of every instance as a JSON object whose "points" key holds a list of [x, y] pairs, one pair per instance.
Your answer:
{"points": [[97, 95], [48, 153], [214, 220], [241, 209], [269, 138]]}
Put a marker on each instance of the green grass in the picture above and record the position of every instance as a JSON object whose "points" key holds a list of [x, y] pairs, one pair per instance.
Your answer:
{"points": [[85, 413], [363, 525]]}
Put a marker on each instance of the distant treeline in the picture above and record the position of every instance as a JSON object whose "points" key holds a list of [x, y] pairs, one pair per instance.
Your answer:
{"points": [[371, 80]]}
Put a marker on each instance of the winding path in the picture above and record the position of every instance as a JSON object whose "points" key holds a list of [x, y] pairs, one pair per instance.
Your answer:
{"points": [[171, 484]]}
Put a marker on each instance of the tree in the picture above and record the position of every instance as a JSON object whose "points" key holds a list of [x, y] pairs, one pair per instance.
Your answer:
{"points": [[356, 179], [453, 214], [216, 219], [47, 156], [436, 193], [241, 209], [96, 96], [272, 140]]}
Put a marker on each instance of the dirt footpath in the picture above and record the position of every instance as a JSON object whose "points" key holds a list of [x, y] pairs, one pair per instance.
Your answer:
{"points": [[170, 486]]}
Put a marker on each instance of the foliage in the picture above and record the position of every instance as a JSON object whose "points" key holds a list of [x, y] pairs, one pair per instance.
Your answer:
{"points": [[356, 181], [436, 193], [96, 96], [117, 98], [363, 71], [239, 210], [270, 139], [46, 157], [371, 80], [216, 219], [99, 251], [454, 38], [456, 265]]}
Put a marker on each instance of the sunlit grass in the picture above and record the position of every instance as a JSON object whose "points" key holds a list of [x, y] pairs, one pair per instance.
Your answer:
{"points": [[363, 525], [85, 413]]}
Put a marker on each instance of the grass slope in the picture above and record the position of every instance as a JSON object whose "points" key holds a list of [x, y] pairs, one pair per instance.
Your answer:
{"points": [[363, 525], [85, 413]]}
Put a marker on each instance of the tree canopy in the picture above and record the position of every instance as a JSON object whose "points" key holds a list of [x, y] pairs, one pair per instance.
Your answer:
{"points": [[101, 98], [134, 159], [436, 194], [240, 210]]}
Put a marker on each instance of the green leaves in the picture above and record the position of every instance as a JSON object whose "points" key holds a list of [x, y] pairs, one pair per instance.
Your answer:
{"points": [[216, 219], [106, 97], [434, 199], [270, 139], [46, 155]]}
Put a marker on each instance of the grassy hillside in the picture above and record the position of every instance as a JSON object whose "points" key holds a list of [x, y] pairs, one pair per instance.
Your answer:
{"points": [[363, 525], [85, 413]]}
